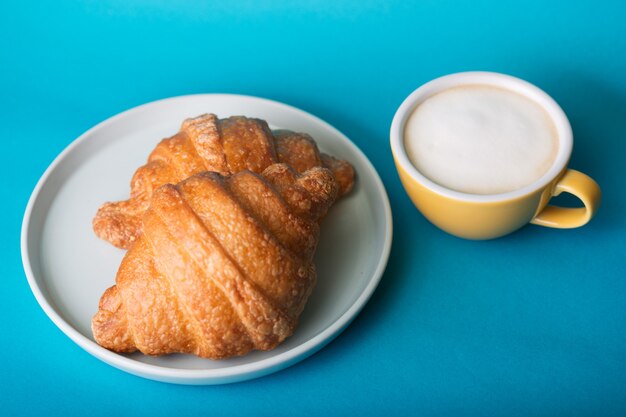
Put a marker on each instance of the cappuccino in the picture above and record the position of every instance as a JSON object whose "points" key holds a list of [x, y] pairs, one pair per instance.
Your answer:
{"points": [[480, 139]]}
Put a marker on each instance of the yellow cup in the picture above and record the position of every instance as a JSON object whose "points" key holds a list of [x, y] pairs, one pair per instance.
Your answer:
{"points": [[478, 216]]}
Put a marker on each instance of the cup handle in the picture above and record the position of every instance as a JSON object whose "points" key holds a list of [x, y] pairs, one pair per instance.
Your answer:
{"points": [[583, 187]]}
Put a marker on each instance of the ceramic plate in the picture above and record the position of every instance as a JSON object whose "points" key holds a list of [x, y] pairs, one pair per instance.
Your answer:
{"points": [[68, 268]]}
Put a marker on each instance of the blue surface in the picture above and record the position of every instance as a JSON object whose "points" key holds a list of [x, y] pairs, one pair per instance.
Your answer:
{"points": [[530, 324]]}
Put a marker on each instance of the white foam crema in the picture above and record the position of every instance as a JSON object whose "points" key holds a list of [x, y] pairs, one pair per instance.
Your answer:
{"points": [[481, 139]]}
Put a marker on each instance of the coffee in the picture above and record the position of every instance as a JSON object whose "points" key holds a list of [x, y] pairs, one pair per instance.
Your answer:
{"points": [[481, 139]]}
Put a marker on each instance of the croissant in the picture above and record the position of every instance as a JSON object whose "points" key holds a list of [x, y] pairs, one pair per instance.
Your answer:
{"points": [[206, 143], [223, 266]]}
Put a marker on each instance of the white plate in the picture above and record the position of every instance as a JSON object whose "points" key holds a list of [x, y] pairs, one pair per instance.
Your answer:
{"points": [[68, 268]]}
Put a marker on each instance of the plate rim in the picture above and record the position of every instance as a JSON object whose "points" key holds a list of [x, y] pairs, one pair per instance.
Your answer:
{"points": [[234, 373]]}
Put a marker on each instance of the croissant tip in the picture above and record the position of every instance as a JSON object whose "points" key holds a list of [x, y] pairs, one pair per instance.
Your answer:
{"points": [[205, 117], [116, 227], [109, 326]]}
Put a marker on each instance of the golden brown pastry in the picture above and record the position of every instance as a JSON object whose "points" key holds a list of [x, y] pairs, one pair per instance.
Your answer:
{"points": [[206, 143], [223, 266]]}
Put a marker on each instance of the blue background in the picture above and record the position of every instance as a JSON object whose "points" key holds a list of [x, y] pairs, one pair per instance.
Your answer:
{"points": [[530, 324]]}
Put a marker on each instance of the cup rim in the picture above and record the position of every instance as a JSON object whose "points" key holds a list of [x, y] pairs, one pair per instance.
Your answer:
{"points": [[495, 79]]}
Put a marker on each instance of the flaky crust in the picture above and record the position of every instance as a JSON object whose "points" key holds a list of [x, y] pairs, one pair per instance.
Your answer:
{"points": [[224, 265], [206, 143]]}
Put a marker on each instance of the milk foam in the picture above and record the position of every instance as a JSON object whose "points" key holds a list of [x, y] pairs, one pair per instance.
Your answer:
{"points": [[480, 139]]}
